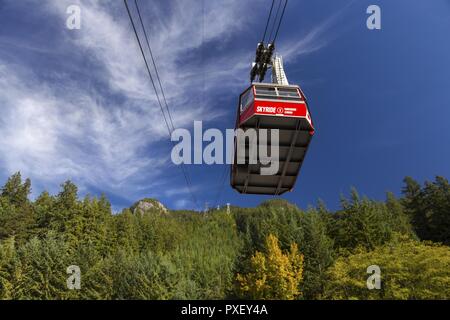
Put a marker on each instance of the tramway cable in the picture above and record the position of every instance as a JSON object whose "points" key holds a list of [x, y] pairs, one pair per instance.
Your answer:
{"points": [[170, 127]]}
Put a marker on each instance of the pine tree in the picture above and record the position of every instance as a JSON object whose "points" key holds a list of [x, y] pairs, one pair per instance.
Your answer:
{"points": [[127, 235], [16, 212], [429, 208], [318, 250], [363, 222], [15, 191], [44, 207]]}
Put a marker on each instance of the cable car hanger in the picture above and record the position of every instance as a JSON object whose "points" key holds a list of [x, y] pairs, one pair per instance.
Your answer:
{"points": [[263, 58]]}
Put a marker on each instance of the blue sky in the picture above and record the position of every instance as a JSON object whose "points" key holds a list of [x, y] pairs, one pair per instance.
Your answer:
{"points": [[77, 104]]}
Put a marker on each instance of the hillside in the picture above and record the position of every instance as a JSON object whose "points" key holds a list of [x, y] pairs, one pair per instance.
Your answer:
{"points": [[272, 251]]}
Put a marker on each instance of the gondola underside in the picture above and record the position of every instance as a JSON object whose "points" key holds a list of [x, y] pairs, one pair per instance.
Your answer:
{"points": [[295, 134]]}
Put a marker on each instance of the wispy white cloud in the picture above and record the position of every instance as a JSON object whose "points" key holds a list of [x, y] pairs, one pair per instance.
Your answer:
{"points": [[109, 138], [53, 137], [104, 130], [318, 37], [181, 191]]}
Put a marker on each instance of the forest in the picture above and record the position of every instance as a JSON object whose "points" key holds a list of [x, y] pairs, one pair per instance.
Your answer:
{"points": [[273, 251]]}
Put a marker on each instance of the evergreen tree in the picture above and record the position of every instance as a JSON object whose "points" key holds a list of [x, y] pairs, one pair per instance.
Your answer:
{"points": [[251, 253], [318, 250], [429, 208], [367, 223], [16, 212], [44, 207], [15, 191]]}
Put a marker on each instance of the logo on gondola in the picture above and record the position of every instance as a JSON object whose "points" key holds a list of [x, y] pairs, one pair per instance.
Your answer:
{"points": [[266, 109], [279, 110]]}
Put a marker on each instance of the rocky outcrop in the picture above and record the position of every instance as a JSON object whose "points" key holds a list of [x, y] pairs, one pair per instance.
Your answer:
{"points": [[148, 205]]}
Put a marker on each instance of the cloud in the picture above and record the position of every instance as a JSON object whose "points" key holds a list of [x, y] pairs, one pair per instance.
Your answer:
{"points": [[320, 36], [53, 137], [97, 122], [180, 191], [87, 111]]}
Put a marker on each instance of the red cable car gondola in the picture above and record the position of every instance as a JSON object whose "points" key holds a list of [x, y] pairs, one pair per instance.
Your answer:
{"points": [[281, 106]]}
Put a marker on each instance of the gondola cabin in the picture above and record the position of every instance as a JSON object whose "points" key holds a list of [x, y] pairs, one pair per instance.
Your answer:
{"points": [[273, 106]]}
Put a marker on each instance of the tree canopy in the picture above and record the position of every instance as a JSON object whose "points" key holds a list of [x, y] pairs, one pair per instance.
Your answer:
{"points": [[273, 251]]}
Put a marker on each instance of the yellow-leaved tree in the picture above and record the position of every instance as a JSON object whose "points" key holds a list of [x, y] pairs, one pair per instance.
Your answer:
{"points": [[274, 275]]}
